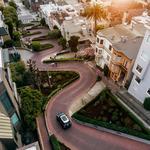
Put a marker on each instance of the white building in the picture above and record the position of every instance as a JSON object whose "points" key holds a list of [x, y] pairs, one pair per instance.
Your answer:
{"points": [[140, 85], [24, 15]]}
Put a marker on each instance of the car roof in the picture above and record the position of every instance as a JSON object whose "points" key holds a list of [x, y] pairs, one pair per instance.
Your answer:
{"points": [[64, 118]]}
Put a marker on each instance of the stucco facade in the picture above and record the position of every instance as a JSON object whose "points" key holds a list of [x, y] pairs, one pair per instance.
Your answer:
{"points": [[140, 85]]}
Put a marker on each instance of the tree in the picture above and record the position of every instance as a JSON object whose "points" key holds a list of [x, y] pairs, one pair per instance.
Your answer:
{"points": [[36, 46], [16, 36], [8, 43], [10, 14], [35, 74], [96, 13], [55, 33], [13, 4], [73, 42], [11, 18], [42, 22], [106, 70], [147, 103], [17, 70], [62, 41], [31, 106]]}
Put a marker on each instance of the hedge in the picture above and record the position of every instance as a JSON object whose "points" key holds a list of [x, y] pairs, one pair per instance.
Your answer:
{"points": [[46, 46], [54, 142], [62, 60], [29, 34], [111, 126]]}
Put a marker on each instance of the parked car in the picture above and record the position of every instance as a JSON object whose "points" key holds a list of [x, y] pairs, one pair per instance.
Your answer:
{"points": [[63, 120]]}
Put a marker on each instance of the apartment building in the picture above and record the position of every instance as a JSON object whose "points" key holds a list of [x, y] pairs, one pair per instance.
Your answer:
{"points": [[9, 107], [140, 85], [117, 47], [66, 18], [4, 34]]}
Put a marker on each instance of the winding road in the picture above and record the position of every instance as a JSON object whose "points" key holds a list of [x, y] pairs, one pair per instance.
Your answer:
{"points": [[79, 137]]}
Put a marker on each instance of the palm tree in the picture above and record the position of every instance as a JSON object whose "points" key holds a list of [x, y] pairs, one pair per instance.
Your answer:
{"points": [[95, 12]]}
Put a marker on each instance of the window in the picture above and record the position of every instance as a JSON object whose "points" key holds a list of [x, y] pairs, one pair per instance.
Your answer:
{"points": [[148, 91], [139, 68], [4, 98], [97, 40], [14, 119], [108, 57], [110, 47], [126, 63], [138, 80], [96, 50], [101, 41]]}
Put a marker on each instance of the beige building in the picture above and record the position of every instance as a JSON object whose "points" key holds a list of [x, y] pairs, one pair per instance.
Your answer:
{"points": [[1, 2], [117, 47]]}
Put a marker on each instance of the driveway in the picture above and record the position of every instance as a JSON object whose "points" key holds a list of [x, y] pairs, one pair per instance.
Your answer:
{"points": [[79, 137]]}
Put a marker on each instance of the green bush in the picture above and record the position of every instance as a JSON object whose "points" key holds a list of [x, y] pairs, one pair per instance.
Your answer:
{"points": [[8, 43], [147, 103], [54, 142], [36, 46]]}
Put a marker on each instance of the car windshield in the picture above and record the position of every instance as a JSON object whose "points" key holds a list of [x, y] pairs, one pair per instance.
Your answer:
{"points": [[64, 118]]}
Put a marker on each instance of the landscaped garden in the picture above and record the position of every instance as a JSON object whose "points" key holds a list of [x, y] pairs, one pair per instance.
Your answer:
{"points": [[107, 111], [36, 88]]}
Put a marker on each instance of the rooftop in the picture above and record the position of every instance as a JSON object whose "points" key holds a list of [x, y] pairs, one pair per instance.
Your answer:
{"points": [[123, 39], [33, 146], [116, 33], [130, 48]]}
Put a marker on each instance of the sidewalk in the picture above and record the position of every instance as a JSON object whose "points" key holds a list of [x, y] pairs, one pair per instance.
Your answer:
{"points": [[135, 105], [43, 134]]}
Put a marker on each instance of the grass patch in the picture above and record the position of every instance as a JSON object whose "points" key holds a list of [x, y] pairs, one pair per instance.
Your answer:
{"points": [[106, 111], [46, 46]]}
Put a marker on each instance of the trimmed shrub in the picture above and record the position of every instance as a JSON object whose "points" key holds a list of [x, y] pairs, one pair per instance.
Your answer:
{"points": [[36, 46], [147, 103]]}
